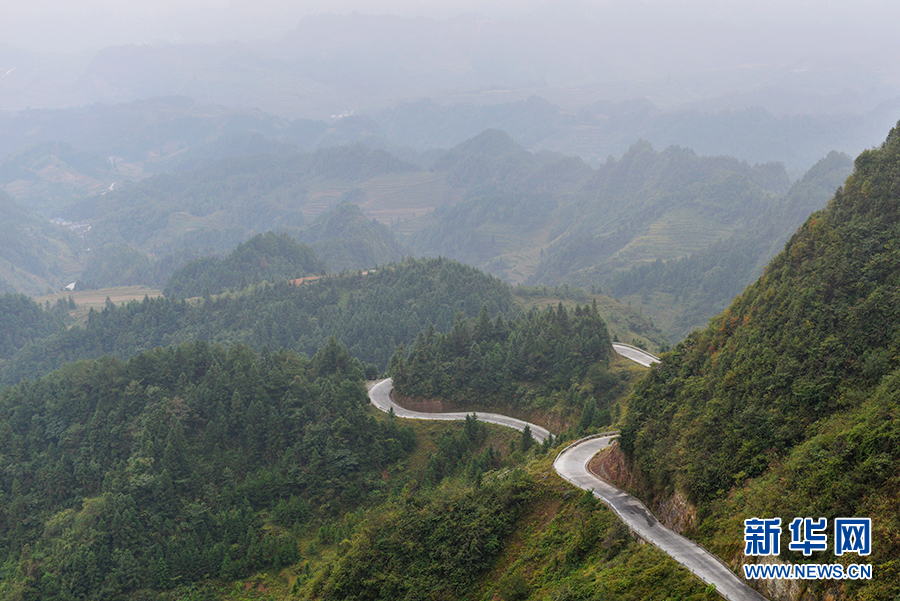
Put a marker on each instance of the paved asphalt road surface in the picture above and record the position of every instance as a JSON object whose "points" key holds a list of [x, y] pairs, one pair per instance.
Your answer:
{"points": [[635, 354], [380, 395], [572, 463]]}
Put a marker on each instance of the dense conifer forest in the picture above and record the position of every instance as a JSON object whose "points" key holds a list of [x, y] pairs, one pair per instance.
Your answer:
{"points": [[238, 242], [370, 314], [519, 364], [159, 471], [182, 447], [264, 258]]}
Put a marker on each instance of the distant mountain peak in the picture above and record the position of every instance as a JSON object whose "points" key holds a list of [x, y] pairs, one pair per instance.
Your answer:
{"points": [[490, 142]]}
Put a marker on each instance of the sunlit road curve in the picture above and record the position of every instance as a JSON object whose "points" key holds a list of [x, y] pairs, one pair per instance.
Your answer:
{"points": [[572, 464]]}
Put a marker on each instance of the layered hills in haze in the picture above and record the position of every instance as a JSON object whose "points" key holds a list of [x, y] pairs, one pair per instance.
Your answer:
{"points": [[673, 232], [479, 207]]}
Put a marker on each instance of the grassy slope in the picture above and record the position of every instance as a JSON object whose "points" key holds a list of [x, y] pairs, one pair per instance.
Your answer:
{"points": [[96, 299]]}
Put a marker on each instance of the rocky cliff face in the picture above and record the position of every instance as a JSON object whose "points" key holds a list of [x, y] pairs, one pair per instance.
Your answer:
{"points": [[675, 511], [678, 513]]}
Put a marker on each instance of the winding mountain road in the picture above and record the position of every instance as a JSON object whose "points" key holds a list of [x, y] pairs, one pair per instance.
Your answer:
{"points": [[572, 465], [380, 395]]}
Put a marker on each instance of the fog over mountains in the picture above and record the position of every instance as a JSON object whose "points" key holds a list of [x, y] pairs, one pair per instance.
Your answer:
{"points": [[756, 80], [94, 97], [318, 61], [220, 218]]}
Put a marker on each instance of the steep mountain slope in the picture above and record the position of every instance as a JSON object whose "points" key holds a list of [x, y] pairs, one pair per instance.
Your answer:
{"points": [[34, 254], [658, 205], [674, 232], [345, 239], [683, 293], [545, 218], [786, 404]]}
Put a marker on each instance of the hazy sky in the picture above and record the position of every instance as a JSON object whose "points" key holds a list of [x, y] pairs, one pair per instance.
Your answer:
{"points": [[73, 25], [790, 56]]}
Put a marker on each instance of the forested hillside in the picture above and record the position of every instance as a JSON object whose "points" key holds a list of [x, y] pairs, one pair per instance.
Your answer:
{"points": [[118, 264], [23, 321], [197, 472], [568, 218], [42, 173], [511, 534], [369, 314], [264, 258], [786, 405], [34, 254], [517, 364], [218, 206], [345, 239], [683, 293], [342, 238], [163, 470], [677, 233]]}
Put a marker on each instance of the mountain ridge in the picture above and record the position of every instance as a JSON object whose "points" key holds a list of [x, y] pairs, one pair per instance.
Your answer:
{"points": [[804, 362]]}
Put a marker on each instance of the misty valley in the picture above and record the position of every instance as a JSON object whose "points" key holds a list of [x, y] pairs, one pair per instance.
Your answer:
{"points": [[264, 353]]}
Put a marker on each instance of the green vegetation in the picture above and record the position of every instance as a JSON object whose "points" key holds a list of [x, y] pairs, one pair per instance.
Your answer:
{"points": [[118, 265], [672, 232], [345, 239], [684, 293], [23, 321], [624, 322], [669, 228], [677, 233], [186, 467], [535, 361], [511, 534], [574, 548], [183, 469], [432, 540], [161, 471], [265, 257], [34, 254], [217, 206], [44, 173], [369, 314], [785, 404]]}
